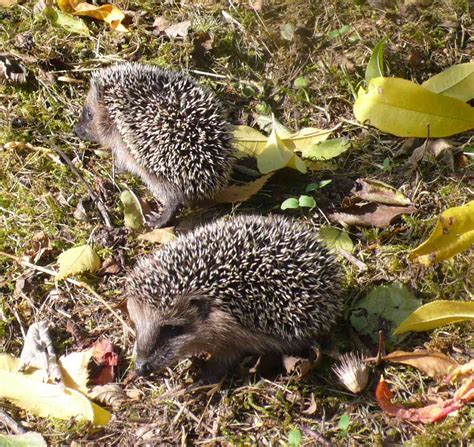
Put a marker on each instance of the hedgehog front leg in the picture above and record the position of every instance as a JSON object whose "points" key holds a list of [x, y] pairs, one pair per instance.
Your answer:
{"points": [[214, 369]]}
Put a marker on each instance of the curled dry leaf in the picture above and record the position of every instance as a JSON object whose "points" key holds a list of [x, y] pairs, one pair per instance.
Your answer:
{"points": [[370, 215], [379, 192], [241, 193], [313, 406], [111, 394], [107, 359], [433, 364]]}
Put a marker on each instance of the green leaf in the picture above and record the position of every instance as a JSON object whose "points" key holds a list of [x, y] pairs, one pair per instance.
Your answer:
{"points": [[316, 186], [336, 239], [375, 66], [248, 141], [301, 82], [454, 232], [77, 260], [326, 150], [132, 210], [287, 31], [66, 21], [344, 422], [339, 32], [306, 202], [456, 82], [436, 314], [405, 109], [290, 204], [294, 438], [385, 307], [28, 439]]}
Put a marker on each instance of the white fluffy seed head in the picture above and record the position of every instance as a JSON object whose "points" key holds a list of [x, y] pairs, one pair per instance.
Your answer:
{"points": [[271, 274], [171, 126], [352, 372]]}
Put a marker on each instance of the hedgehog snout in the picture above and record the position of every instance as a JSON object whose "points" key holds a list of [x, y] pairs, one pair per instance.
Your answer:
{"points": [[143, 368]]}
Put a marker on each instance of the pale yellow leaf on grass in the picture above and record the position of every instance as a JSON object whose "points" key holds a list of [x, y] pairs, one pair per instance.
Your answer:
{"points": [[49, 400], [77, 260], [28, 439], [158, 236], [74, 369], [457, 81], [276, 155], [132, 210], [454, 232], [249, 141], [405, 109], [241, 193], [305, 138], [435, 314]]}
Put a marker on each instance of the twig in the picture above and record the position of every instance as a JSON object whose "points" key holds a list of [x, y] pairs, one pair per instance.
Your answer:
{"points": [[317, 436], [94, 197], [81, 284], [13, 425]]}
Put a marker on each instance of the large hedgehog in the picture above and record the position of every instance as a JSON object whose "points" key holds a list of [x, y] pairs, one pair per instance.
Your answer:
{"points": [[163, 127], [250, 284]]}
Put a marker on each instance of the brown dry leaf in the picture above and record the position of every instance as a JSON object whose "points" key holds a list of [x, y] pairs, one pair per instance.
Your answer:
{"points": [[313, 406], [298, 365], [434, 364], [6, 3], [111, 394], [370, 215], [160, 24], [158, 236], [241, 193], [180, 29]]}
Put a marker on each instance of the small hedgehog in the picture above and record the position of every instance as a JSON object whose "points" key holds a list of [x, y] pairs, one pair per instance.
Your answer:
{"points": [[163, 127], [251, 285]]}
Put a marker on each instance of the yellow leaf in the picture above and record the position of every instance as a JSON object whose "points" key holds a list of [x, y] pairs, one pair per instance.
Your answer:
{"points": [[49, 400], [249, 141], [306, 137], [405, 109], [457, 82], [241, 193], [132, 210], [77, 260], [436, 314], [108, 13], [453, 233], [277, 155], [28, 439], [74, 369]]}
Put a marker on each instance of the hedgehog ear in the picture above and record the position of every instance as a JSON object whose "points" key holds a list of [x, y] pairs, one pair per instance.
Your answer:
{"points": [[201, 304], [97, 88]]}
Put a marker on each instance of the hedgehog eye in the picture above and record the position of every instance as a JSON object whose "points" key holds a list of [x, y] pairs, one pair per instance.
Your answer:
{"points": [[171, 331], [88, 113]]}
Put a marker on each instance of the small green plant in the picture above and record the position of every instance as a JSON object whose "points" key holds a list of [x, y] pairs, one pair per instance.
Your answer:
{"points": [[294, 438]]}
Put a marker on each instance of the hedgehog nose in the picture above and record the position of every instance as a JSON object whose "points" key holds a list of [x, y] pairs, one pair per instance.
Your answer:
{"points": [[143, 368]]}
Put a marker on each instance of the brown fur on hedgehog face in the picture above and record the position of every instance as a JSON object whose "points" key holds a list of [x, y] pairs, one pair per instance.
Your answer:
{"points": [[189, 327]]}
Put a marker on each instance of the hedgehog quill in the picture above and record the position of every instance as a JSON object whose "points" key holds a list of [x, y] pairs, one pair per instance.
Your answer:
{"points": [[248, 285], [163, 127]]}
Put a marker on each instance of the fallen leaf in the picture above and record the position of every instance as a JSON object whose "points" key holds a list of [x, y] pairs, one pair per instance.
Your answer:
{"points": [[433, 364], [158, 236], [313, 406], [383, 309], [111, 394], [457, 82], [287, 31], [77, 260], [405, 109], [326, 150], [307, 140], [454, 232], [6, 3], [379, 192], [107, 359], [248, 141], [370, 215], [160, 24], [336, 239], [180, 29], [243, 192], [28, 439], [436, 314], [74, 368], [298, 365], [66, 21], [132, 210]]}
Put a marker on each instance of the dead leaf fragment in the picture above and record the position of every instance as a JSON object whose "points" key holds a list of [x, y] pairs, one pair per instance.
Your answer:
{"points": [[180, 29], [370, 215], [243, 192], [433, 364], [160, 24], [111, 394], [158, 236], [379, 192]]}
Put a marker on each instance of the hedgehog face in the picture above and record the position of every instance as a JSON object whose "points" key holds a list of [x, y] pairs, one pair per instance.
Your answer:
{"points": [[167, 335], [95, 123]]}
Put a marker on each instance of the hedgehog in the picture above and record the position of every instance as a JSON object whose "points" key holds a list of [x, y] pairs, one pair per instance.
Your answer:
{"points": [[246, 285], [163, 127]]}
